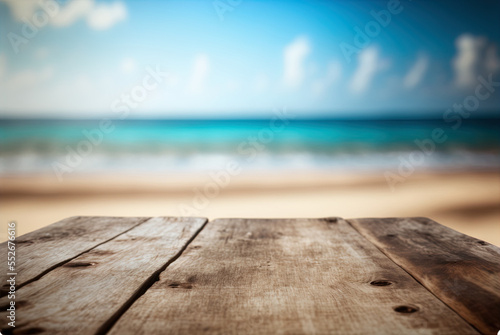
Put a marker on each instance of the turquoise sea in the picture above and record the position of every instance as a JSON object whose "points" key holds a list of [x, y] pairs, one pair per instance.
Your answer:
{"points": [[142, 146]]}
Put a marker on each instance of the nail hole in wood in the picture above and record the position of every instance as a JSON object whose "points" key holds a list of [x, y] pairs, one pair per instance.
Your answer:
{"points": [[181, 285], [405, 309], [19, 304], [381, 283], [79, 264]]}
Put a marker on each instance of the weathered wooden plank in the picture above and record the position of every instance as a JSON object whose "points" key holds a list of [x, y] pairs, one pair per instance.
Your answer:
{"points": [[460, 270], [42, 250], [251, 276], [88, 292]]}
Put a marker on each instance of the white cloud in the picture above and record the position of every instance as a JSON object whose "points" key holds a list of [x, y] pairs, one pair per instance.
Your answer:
{"points": [[199, 74], [333, 74], [294, 56], [99, 16], [417, 72], [72, 12], [475, 56], [368, 65], [104, 16], [467, 60], [21, 9]]}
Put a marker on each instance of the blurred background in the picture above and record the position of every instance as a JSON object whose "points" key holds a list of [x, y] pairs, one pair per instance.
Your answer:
{"points": [[239, 108]]}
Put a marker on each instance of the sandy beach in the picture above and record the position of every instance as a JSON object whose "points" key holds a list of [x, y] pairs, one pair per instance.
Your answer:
{"points": [[468, 202]]}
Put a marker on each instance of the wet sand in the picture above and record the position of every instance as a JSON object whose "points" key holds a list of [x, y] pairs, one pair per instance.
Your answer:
{"points": [[465, 201]]}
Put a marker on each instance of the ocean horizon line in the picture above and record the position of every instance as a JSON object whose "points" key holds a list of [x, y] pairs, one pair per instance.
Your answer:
{"points": [[295, 118]]}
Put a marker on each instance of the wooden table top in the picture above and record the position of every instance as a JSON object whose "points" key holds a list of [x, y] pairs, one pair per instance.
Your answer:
{"points": [[170, 275]]}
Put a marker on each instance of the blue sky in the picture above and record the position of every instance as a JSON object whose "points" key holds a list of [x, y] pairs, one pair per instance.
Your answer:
{"points": [[233, 58]]}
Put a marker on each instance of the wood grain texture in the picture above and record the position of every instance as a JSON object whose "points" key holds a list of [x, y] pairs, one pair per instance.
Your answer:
{"points": [[44, 249], [88, 292], [460, 270], [298, 276]]}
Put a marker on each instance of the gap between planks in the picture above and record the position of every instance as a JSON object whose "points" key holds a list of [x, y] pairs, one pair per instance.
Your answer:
{"points": [[107, 325], [49, 269], [44, 245]]}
